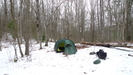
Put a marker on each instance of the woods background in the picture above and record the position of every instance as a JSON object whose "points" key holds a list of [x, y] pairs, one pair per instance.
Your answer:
{"points": [[49, 20]]}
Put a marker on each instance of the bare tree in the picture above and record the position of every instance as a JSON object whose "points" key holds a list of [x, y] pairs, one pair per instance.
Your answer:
{"points": [[1, 30], [12, 10], [20, 21], [27, 24], [92, 19], [47, 23], [38, 21], [49, 17], [109, 20], [102, 20], [6, 18], [127, 20], [83, 5]]}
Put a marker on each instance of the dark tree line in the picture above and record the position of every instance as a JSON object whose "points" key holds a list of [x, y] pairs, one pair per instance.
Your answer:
{"points": [[91, 20]]}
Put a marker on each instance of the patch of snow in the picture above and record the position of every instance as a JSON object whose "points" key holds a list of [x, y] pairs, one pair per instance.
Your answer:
{"points": [[47, 62]]}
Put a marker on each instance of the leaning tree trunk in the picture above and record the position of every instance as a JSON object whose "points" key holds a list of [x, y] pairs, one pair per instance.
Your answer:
{"points": [[15, 24]]}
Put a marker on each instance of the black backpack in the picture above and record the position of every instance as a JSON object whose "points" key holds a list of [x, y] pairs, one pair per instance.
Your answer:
{"points": [[101, 54]]}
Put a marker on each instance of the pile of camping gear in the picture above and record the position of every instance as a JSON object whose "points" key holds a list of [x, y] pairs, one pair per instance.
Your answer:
{"points": [[68, 47], [100, 54]]}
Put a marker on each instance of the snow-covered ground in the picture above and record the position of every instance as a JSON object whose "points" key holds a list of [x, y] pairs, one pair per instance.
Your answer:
{"points": [[47, 62]]}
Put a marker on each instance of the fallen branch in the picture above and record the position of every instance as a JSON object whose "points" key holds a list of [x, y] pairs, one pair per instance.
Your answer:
{"points": [[130, 55], [123, 49], [97, 44], [110, 46], [106, 45]]}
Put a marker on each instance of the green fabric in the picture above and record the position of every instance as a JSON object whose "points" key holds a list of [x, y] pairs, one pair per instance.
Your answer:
{"points": [[97, 61], [92, 53], [67, 46], [62, 44]]}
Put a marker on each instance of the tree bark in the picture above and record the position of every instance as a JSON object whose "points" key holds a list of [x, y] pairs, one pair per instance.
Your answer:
{"points": [[27, 46], [5, 19], [110, 21], [39, 36], [92, 24], [127, 22], [15, 24], [27, 26], [106, 45], [0, 43]]}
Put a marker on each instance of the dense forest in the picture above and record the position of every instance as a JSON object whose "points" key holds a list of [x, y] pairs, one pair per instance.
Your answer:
{"points": [[50, 20]]}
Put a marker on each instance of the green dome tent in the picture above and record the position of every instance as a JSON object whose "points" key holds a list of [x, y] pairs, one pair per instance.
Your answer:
{"points": [[65, 45]]}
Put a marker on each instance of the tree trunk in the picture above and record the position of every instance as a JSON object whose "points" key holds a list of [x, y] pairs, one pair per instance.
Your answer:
{"points": [[15, 24], [92, 25], [1, 31], [27, 26], [128, 5], [98, 23], [47, 36], [5, 19], [20, 22], [39, 36], [110, 21], [0, 43], [27, 46], [102, 20]]}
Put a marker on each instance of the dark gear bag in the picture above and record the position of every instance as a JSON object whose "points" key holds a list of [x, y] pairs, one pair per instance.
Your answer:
{"points": [[101, 54]]}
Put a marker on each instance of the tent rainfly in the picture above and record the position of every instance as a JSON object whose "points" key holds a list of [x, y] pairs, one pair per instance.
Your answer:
{"points": [[66, 46]]}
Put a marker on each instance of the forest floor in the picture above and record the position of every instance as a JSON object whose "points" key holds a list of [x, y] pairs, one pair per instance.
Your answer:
{"points": [[47, 62]]}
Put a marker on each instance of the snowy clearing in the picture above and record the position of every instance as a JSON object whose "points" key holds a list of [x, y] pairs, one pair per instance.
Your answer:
{"points": [[47, 62]]}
